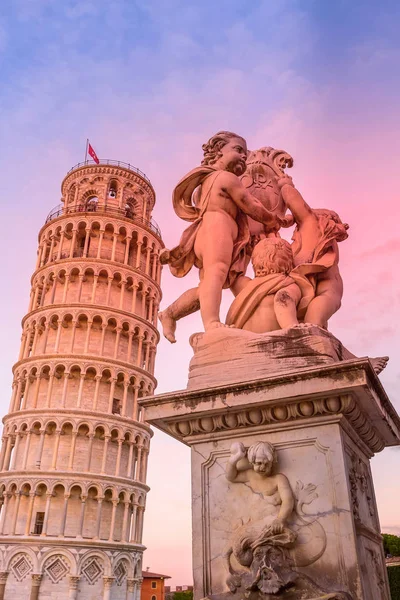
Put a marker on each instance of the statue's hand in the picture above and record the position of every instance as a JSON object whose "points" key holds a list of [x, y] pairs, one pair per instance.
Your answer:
{"points": [[238, 451], [277, 526], [284, 180]]}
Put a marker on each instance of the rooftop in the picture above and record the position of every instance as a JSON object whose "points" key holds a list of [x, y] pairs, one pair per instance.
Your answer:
{"points": [[151, 575]]}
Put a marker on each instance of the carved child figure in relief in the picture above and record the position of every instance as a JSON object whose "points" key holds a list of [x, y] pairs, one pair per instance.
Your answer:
{"points": [[263, 555], [261, 457], [214, 198]]}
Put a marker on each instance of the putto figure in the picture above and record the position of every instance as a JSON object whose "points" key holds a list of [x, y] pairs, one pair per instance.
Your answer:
{"points": [[215, 200]]}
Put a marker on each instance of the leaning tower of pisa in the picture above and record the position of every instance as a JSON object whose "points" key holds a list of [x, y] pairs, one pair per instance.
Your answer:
{"points": [[74, 453]]}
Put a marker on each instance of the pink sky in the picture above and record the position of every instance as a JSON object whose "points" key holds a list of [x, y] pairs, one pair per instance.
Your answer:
{"points": [[150, 84]]}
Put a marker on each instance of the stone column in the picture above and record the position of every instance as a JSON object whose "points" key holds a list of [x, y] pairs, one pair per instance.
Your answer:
{"points": [[136, 389], [15, 453], [139, 351], [108, 581], [148, 256], [26, 451], [40, 448], [114, 245], [113, 515], [73, 587], [130, 589], [36, 580], [111, 395], [37, 389], [87, 341], [110, 280], [121, 298], [3, 581], [80, 390], [61, 245], [72, 451], [133, 536], [8, 453], [64, 515], [124, 534], [139, 588], [129, 351], [15, 516], [4, 440], [49, 496], [103, 336], [130, 458], [98, 517], [135, 288], [96, 391], [82, 516], [101, 235], [124, 398], [118, 461], [127, 244], [89, 451], [4, 512], [57, 434], [65, 291], [139, 253], [30, 512], [117, 338], [65, 388], [95, 280], [104, 461]]}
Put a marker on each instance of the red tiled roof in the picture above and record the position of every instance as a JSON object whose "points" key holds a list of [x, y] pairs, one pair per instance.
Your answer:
{"points": [[149, 574]]}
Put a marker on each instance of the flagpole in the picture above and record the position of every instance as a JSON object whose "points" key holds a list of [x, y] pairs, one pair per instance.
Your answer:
{"points": [[87, 144]]}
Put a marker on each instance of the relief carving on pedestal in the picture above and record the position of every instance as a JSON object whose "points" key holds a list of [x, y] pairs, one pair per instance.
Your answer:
{"points": [[263, 555]]}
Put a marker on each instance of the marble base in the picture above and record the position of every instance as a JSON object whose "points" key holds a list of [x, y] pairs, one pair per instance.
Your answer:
{"points": [[325, 423], [229, 355]]}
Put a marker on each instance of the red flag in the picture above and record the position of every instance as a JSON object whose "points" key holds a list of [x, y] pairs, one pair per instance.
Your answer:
{"points": [[93, 154]]}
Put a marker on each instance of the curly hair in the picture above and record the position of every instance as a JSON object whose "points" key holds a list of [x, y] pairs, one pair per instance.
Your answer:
{"points": [[272, 255], [264, 448], [212, 149]]}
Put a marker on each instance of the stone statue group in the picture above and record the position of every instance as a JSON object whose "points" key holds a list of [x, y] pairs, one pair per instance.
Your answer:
{"points": [[237, 202]]}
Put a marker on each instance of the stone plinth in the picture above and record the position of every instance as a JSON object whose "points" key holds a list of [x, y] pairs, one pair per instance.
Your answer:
{"points": [[325, 423]]}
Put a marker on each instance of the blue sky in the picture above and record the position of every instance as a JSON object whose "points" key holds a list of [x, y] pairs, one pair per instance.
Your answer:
{"points": [[148, 82]]}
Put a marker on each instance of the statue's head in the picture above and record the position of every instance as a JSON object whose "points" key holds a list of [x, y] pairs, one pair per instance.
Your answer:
{"points": [[261, 456], [272, 255], [227, 151]]}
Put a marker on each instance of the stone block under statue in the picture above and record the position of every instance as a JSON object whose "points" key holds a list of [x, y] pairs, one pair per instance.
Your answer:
{"points": [[282, 496]]}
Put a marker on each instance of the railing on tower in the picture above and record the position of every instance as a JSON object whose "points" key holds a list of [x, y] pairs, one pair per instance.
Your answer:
{"points": [[126, 213], [114, 163]]}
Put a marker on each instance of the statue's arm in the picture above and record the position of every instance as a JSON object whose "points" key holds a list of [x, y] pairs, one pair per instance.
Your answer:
{"points": [[295, 202], [249, 204], [287, 498], [238, 452]]}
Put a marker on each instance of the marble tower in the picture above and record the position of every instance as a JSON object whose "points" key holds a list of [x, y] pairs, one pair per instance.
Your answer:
{"points": [[74, 453]]}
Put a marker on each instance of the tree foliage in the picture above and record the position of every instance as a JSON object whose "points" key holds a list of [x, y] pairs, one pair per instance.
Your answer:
{"points": [[394, 582], [185, 595], [391, 544]]}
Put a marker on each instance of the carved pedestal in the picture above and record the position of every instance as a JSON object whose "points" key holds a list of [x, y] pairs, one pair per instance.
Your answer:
{"points": [[322, 426]]}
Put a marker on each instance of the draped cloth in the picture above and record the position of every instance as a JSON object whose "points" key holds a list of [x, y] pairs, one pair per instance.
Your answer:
{"points": [[248, 300], [190, 205], [305, 275]]}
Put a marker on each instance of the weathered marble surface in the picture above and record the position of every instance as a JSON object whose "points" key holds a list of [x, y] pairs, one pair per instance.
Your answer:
{"points": [[232, 355], [325, 424]]}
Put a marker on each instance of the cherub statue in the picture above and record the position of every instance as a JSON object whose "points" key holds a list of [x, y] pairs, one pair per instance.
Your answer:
{"points": [[316, 253], [214, 198], [272, 299], [269, 302]]}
